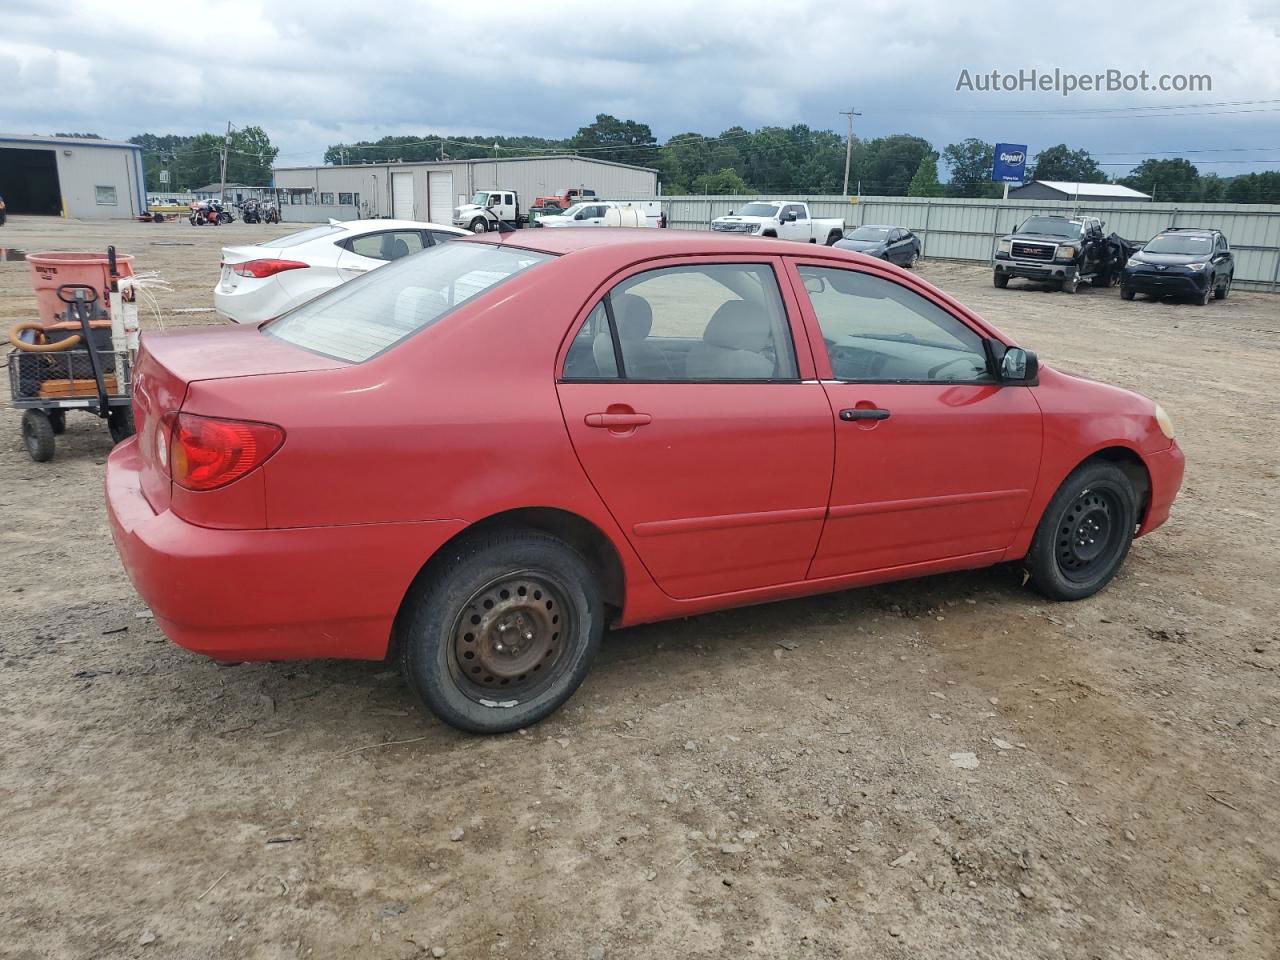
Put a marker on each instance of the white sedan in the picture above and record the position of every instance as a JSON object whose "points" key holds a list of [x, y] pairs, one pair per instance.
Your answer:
{"points": [[264, 280]]}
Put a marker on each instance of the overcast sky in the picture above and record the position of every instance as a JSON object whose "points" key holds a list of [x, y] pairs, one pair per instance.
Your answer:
{"points": [[319, 72]]}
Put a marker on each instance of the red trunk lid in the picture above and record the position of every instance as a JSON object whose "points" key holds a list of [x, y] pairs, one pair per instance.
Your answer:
{"points": [[169, 362]]}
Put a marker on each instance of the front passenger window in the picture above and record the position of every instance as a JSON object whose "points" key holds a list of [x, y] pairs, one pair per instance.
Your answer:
{"points": [[880, 331]]}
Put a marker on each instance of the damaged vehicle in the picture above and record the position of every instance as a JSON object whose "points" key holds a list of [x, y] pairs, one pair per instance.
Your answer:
{"points": [[1061, 251]]}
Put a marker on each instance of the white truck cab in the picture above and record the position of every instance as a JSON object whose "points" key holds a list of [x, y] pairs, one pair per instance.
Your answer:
{"points": [[486, 206], [784, 219]]}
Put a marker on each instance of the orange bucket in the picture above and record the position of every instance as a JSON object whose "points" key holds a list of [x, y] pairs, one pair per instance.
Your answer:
{"points": [[51, 270]]}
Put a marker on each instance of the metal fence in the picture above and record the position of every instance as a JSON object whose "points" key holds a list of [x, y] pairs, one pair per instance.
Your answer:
{"points": [[957, 229]]}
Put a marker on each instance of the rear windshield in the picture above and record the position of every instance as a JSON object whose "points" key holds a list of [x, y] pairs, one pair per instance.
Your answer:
{"points": [[375, 312], [305, 236]]}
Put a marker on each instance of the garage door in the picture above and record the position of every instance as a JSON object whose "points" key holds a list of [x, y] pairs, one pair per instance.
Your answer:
{"points": [[402, 196], [440, 197]]}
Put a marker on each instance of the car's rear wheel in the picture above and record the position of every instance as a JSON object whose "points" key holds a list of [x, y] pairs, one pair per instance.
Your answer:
{"points": [[1000, 280], [503, 632], [1084, 533]]}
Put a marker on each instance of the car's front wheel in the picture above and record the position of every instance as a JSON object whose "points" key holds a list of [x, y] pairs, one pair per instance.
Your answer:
{"points": [[1126, 293], [479, 225], [502, 632], [1000, 280], [1084, 533], [1221, 292]]}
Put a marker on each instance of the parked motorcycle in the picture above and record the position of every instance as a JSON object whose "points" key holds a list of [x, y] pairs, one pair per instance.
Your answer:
{"points": [[270, 212], [209, 212], [251, 211]]}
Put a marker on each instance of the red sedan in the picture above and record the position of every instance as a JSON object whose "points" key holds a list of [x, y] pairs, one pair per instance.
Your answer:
{"points": [[478, 457]]}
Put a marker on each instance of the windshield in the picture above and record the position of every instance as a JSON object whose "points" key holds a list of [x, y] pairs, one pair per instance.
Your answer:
{"points": [[1053, 226], [480, 199], [867, 233], [574, 209], [375, 312], [758, 210], [305, 236], [1184, 244]]}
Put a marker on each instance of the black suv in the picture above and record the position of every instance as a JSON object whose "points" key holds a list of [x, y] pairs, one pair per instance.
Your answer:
{"points": [[1064, 251], [1184, 262]]}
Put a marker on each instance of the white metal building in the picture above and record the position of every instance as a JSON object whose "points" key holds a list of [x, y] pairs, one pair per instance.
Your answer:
{"points": [[1087, 192], [431, 190], [71, 177]]}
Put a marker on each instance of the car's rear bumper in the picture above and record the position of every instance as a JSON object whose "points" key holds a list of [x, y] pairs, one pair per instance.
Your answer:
{"points": [[1166, 468], [266, 594]]}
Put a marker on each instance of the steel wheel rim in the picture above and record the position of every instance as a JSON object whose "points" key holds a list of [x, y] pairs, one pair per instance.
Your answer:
{"points": [[1089, 534], [510, 640]]}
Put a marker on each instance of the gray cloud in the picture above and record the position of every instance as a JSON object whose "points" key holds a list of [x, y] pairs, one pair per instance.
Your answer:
{"points": [[315, 72]]}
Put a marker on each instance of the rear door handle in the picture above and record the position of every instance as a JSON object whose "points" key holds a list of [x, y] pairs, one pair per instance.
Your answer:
{"points": [[860, 413], [615, 420]]}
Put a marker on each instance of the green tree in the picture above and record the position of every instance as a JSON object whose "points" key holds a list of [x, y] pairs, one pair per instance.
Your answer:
{"points": [[1060, 162], [969, 169], [925, 182], [889, 163], [724, 181], [623, 141], [1175, 179]]}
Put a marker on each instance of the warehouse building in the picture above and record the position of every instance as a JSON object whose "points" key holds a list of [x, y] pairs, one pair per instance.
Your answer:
{"points": [[431, 190], [1089, 192], [71, 177]]}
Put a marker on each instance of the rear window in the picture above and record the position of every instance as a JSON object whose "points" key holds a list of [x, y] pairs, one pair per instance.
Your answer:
{"points": [[375, 312], [305, 236]]}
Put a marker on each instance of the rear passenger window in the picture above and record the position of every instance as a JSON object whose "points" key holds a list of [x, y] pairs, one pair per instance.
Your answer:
{"points": [[720, 322], [391, 245]]}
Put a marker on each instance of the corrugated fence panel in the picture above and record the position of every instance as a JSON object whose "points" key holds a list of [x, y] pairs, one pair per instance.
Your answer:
{"points": [[957, 229]]}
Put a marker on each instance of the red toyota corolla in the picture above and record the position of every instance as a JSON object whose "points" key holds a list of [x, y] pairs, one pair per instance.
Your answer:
{"points": [[478, 457]]}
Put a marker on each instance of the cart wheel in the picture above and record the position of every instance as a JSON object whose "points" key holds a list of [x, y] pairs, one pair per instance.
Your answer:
{"points": [[120, 423], [37, 434], [57, 420]]}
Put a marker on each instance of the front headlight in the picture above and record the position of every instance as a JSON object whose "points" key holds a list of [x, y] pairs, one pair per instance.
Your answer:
{"points": [[1004, 246], [1163, 422], [1133, 262], [1065, 252], [1196, 266]]}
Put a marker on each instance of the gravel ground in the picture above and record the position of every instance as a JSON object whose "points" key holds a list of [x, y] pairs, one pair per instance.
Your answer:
{"points": [[948, 768]]}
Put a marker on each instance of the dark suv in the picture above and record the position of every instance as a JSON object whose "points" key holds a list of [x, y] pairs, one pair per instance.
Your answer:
{"points": [[1184, 262]]}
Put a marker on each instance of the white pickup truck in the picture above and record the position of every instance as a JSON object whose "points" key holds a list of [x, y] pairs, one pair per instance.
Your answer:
{"points": [[784, 219]]}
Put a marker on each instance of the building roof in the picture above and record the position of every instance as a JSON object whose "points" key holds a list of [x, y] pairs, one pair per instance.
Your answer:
{"points": [[1092, 189], [67, 141], [446, 163], [217, 187]]}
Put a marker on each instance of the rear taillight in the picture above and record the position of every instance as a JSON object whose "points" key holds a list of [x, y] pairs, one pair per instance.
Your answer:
{"points": [[204, 453], [265, 268]]}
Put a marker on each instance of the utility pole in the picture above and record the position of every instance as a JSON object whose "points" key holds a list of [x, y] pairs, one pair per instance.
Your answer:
{"points": [[222, 190], [848, 145]]}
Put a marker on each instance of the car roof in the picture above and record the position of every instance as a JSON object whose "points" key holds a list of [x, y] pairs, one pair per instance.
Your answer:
{"points": [[372, 226], [642, 241]]}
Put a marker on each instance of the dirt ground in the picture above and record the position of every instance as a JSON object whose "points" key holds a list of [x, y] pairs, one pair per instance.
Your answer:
{"points": [[768, 782]]}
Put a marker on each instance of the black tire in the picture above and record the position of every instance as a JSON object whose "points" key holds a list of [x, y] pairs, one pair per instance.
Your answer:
{"points": [[479, 225], [1069, 286], [1126, 293], [502, 578], [37, 435], [1207, 295], [120, 423], [1000, 280], [57, 420], [1096, 502], [832, 237], [1220, 293]]}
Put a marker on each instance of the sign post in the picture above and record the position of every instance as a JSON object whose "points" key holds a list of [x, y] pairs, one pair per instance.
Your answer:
{"points": [[1009, 164]]}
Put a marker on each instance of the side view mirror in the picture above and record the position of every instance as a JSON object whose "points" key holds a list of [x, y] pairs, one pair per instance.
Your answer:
{"points": [[731, 213], [789, 218], [579, 216], [1019, 366]]}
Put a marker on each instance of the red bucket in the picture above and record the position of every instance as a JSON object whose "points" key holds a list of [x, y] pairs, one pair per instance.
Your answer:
{"points": [[51, 270]]}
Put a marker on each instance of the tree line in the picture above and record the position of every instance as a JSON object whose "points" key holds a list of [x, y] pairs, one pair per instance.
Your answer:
{"points": [[796, 159]]}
